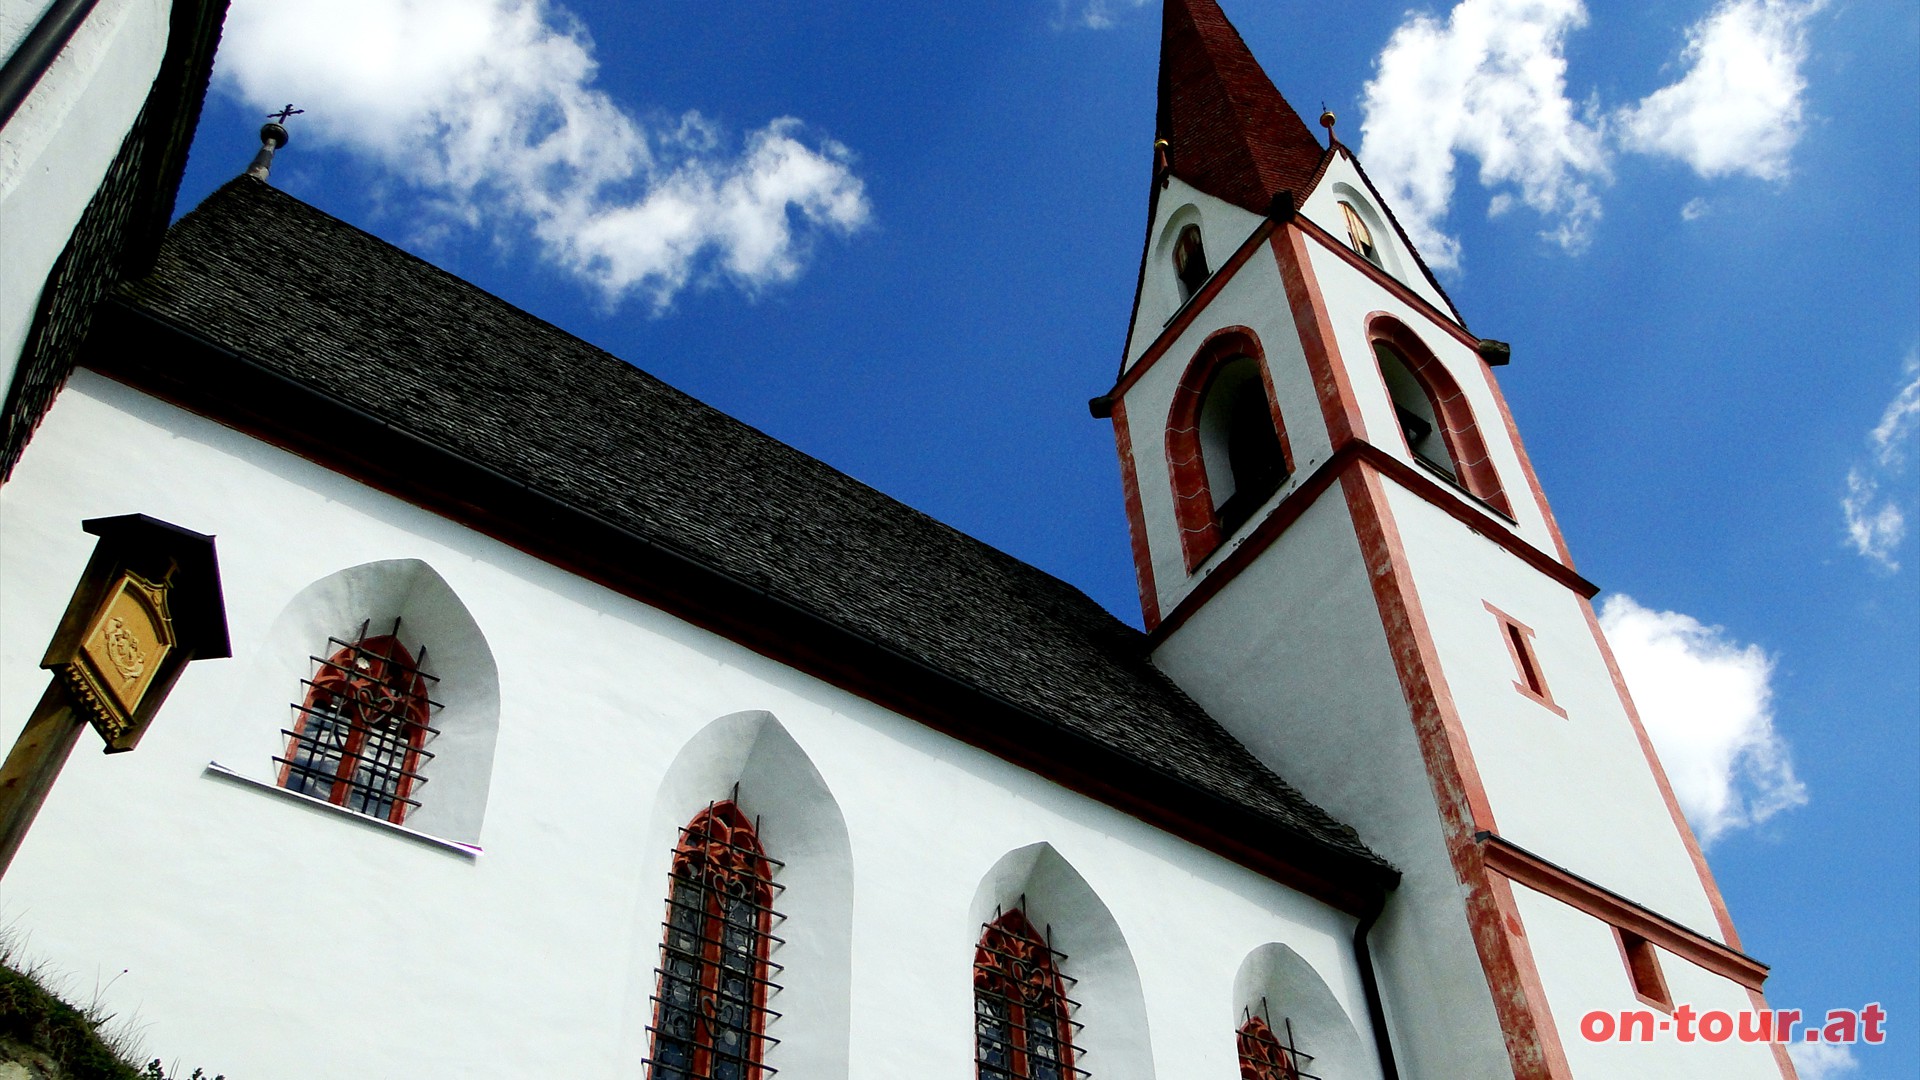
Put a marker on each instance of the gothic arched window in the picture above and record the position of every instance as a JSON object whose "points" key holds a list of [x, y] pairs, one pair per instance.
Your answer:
{"points": [[1433, 412], [1264, 1056], [1226, 447], [710, 1002], [1022, 1022], [359, 736], [1190, 262]]}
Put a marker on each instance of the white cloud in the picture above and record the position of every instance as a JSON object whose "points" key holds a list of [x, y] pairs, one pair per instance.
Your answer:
{"points": [[1738, 108], [1707, 703], [1695, 209], [1491, 82], [488, 106], [1876, 524], [1093, 14], [1821, 1061]]}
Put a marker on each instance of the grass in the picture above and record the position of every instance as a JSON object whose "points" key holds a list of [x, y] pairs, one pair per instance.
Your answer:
{"points": [[37, 1025]]}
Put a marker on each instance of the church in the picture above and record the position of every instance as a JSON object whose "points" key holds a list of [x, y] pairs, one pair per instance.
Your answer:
{"points": [[574, 729]]}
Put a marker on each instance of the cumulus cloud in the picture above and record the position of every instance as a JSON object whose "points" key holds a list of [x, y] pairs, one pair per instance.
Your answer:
{"points": [[1738, 107], [1876, 525], [1094, 14], [489, 108], [1707, 703], [1821, 1061], [1490, 81]]}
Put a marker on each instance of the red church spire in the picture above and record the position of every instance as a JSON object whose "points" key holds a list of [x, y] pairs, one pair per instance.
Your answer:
{"points": [[1229, 132]]}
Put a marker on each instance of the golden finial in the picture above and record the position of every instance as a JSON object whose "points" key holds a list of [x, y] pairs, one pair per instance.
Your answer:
{"points": [[1326, 121]]}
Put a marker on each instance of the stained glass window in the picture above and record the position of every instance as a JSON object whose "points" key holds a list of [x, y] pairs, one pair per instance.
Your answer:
{"points": [[715, 977], [1022, 1016], [359, 736]]}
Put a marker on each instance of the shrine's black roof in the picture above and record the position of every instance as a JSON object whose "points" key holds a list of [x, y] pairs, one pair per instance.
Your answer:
{"points": [[296, 291]]}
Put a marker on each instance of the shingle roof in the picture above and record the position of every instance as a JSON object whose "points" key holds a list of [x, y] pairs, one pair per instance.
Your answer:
{"points": [[305, 295]]}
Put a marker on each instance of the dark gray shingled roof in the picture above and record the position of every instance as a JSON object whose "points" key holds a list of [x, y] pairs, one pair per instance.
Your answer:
{"points": [[260, 273]]}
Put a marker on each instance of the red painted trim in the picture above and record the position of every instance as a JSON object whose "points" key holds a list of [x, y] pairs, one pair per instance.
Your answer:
{"points": [[1533, 1046], [1443, 738], [1533, 1041], [1780, 1056], [1391, 284], [1719, 903], [1518, 637], [1136, 519], [1466, 511], [1195, 516], [1191, 309], [1510, 860], [1642, 962], [1526, 466], [1473, 466], [1338, 406]]}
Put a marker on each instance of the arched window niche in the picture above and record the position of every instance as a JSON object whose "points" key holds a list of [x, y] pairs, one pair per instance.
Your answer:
{"points": [[1366, 232], [1180, 257], [1086, 947], [750, 761], [1433, 415], [1286, 1018], [376, 615], [1227, 450]]}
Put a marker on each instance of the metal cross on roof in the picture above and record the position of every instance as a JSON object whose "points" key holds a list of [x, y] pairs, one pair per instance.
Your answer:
{"points": [[281, 116]]}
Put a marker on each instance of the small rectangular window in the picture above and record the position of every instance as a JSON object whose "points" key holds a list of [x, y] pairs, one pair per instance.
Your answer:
{"points": [[1532, 680], [1643, 969]]}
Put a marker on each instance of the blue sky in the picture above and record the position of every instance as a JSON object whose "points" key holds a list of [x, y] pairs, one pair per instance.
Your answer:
{"points": [[904, 239]]}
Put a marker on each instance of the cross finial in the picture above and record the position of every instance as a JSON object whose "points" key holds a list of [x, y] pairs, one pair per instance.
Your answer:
{"points": [[281, 116]]}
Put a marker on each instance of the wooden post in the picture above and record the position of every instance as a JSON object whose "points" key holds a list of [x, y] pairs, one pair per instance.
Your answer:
{"points": [[31, 767]]}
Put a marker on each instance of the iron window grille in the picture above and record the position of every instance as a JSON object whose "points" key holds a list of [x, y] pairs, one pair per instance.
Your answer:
{"points": [[1023, 1019], [360, 733], [1266, 1056], [710, 1011]]}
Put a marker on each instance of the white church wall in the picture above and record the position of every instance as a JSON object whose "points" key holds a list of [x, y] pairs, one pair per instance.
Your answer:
{"points": [[1303, 701], [253, 928], [1343, 183], [1350, 299], [1581, 970], [56, 148], [1534, 764], [1244, 300]]}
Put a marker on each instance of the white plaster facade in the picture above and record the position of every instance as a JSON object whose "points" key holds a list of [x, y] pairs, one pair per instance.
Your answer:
{"points": [[54, 151], [261, 933]]}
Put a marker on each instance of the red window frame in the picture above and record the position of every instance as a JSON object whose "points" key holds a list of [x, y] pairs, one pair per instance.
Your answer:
{"points": [[1014, 969], [1194, 514], [368, 687], [1473, 468], [717, 865], [1532, 681], [1264, 1056]]}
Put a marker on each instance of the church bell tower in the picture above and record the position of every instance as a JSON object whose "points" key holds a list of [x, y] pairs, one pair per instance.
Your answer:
{"points": [[1344, 555]]}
